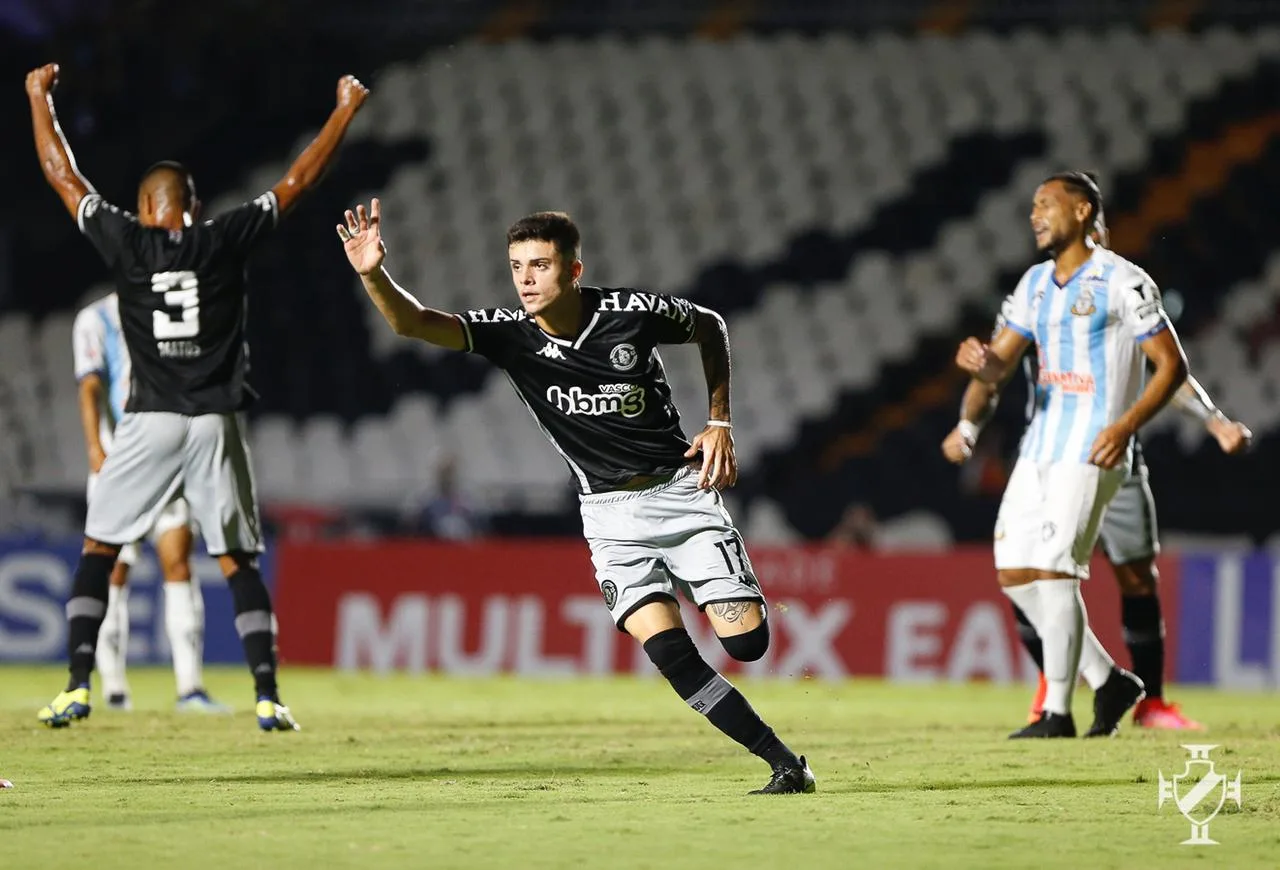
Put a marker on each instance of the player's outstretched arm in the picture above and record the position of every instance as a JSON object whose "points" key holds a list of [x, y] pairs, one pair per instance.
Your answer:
{"points": [[316, 157], [993, 363], [715, 441], [977, 406], [1169, 372], [1193, 400], [56, 159], [362, 240]]}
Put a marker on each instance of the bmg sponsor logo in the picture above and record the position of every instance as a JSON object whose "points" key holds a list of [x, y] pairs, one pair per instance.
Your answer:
{"points": [[624, 399]]}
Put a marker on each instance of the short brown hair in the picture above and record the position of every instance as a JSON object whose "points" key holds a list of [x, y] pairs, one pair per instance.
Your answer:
{"points": [[548, 226]]}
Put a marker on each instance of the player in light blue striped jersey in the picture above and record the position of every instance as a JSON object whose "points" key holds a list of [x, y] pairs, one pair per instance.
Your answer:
{"points": [[1129, 535], [1095, 320], [104, 370]]}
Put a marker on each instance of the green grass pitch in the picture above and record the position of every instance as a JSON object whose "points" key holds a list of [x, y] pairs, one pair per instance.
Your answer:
{"points": [[502, 773]]}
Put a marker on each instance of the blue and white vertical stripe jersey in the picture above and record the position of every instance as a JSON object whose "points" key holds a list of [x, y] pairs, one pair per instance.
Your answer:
{"points": [[1087, 333], [99, 348]]}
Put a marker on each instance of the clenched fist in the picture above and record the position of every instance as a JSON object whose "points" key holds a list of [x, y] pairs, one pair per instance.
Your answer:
{"points": [[42, 80], [351, 93]]}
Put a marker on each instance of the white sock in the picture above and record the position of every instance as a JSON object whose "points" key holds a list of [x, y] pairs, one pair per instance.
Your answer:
{"points": [[184, 623], [1095, 663], [113, 643], [1027, 597], [1062, 612]]}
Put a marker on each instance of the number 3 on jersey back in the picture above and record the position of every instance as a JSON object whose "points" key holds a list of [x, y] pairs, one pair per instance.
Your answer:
{"points": [[181, 290]]}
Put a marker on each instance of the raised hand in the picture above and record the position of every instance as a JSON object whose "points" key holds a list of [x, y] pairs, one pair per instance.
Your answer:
{"points": [[42, 80], [351, 92], [362, 238]]}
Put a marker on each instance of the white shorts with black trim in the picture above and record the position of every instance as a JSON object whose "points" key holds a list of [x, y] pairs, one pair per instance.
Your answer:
{"points": [[648, 543]]}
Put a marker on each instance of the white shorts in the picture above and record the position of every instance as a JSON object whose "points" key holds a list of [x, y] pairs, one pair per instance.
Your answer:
{"points": [[175, 515], [158, 456], [648, 543], [1129, 530], [1050, 516]]}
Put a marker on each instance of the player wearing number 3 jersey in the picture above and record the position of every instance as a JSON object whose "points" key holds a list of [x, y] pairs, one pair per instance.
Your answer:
{"points": [[182, 297]]}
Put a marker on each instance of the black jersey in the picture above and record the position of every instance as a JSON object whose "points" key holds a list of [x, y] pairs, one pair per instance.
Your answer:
{"points": [[602, 398], [182, 303]]}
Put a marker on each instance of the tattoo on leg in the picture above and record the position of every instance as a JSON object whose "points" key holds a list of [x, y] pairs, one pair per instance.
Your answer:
{"points": [[730, 611]]}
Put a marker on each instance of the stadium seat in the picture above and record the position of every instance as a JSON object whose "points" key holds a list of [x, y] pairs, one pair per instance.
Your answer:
{"points": [[683, 157]]}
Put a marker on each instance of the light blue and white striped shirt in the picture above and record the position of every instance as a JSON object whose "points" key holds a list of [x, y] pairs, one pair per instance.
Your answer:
{"points": [[1087, 333], [99, 348]]}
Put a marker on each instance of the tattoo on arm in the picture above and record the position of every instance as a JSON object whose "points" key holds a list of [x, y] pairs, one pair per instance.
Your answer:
{"points": [[713, 344], [730, 611]]}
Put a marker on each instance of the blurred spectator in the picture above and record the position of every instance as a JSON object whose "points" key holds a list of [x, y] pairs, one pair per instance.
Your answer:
{"points": [[857, 529], [447, 515]]}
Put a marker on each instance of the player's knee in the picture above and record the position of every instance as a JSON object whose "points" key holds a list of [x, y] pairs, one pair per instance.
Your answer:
{"points": [[175, 569], [1137, 579], [99, 548], [749, 646], [235, 562], [671, 651], [249, 593]]}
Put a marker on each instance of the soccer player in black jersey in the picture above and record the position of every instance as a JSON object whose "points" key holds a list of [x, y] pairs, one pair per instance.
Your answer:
{"points": [[182, 296], [584, 361]]}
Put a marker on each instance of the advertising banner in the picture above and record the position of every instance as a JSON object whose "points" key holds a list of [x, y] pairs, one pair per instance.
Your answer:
{"points": [[533, 608], [35, 582]]}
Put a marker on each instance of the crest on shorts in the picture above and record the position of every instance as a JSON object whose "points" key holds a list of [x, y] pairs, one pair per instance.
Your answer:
{"points": [[610, 592], [1048, 530], [624, 357]]}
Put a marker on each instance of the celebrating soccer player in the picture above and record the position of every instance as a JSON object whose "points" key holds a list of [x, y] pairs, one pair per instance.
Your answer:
{"points": [[584, 361], [182, 296]]}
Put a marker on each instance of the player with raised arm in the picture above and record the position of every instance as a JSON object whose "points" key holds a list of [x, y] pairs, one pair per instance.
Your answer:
{"points": [[102, 369], [1129, 534], [1088, 312], [584, 361], [182, 297]]}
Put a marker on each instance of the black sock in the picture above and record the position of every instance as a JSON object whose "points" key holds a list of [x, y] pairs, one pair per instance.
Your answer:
{"points": [[253, 624], [712, 695], [86, 609], [1030, 640], [1144, 635]]}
